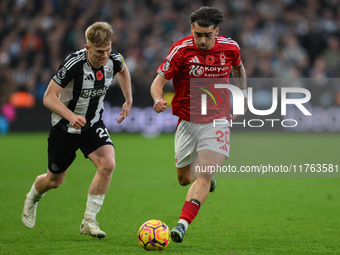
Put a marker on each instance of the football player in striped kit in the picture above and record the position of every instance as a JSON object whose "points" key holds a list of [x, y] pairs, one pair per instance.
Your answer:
{"points": [[199, 144], [75, 96]]}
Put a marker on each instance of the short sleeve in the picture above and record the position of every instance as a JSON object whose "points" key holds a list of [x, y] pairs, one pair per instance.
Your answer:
{"points": [[171, 64], [118, 61], [65, 75], [237, 58]]}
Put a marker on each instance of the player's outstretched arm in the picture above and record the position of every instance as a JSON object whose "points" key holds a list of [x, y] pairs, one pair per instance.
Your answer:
{"points": [[239, 74], [125, 84], [157, 93], [52, 102]]}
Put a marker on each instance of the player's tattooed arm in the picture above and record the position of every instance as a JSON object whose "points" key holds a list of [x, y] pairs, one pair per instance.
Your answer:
{"points": [[239, 75]]}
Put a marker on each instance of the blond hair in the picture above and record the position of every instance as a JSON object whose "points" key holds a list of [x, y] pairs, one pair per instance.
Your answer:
{"points": [[99, 34]]}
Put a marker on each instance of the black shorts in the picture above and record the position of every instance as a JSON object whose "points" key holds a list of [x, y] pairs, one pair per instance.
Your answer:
{"points": [[62, 146]]}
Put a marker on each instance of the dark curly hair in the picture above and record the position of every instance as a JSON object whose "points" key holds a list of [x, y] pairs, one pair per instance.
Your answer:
{"points": [[207, 16]]}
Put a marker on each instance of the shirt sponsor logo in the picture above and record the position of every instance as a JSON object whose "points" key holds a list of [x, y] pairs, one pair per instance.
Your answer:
{"points": [[196, 70], [208, 71], [91, 93]]}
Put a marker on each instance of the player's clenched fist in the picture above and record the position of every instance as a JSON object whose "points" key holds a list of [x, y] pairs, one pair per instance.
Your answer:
{"points": [[78, 121], [160, 105]]}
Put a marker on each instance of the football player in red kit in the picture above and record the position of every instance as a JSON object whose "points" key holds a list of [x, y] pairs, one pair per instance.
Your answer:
{"points": [[199, 143]]}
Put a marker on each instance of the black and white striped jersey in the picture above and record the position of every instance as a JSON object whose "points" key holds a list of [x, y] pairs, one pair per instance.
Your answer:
{"points": [[84, 88]]}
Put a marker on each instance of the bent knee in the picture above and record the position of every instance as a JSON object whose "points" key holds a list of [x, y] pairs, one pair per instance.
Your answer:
{"points": [[110, 166], [184, 181], [52, 180], [107, 167]]}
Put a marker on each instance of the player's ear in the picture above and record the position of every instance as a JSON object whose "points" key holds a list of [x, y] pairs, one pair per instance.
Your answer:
{"points": [[192, 29], [217, 30], [87, 47]]}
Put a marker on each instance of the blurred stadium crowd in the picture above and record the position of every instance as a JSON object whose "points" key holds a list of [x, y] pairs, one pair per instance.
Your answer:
{"points": [[278, 38]]}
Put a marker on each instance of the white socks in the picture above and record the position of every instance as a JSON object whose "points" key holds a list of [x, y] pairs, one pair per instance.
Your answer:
{"points": [[94, 203], [185, 223], [34, 195]]}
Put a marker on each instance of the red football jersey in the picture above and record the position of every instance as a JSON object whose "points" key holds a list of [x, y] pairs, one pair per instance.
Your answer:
{"points": [[193, 70]]}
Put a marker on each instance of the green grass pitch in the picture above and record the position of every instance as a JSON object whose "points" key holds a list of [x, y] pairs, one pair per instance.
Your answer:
{"points": [[243, 216]]}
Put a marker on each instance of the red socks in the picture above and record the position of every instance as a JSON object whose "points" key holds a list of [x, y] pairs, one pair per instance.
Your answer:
{"points": [[190, 210]]}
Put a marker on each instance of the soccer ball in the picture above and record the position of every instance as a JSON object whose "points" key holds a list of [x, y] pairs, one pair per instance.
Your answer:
{"points": [[154, 235]]}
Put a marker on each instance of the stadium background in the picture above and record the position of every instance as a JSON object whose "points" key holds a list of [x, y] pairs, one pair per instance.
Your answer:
{"points": [[285, 39]]}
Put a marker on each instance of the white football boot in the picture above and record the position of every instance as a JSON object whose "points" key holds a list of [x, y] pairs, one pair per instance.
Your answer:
{"points": [[90, 227], [29, 212]]}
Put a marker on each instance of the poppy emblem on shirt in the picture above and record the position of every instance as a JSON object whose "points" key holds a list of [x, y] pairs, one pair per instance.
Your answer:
{"points": [[99, 75], [209, 60]]}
